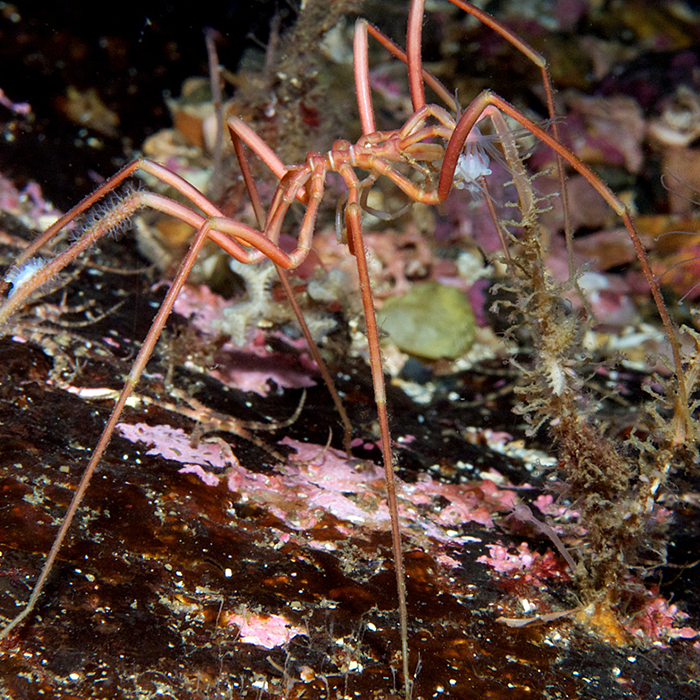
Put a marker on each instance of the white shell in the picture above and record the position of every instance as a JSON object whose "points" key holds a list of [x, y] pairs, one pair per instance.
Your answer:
{"points": [[17, 275]]}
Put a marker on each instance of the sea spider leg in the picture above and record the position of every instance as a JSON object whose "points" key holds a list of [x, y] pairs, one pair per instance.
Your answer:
{"points": [[137, 368], [282, 274], [415, 74], [414, 131], [353, 220], [122, 210], [244, 243], [361, 71], [140, 164], [313, 172]]}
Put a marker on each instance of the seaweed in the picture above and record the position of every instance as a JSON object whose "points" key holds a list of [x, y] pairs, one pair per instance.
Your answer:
{"points": [[615, 481]]}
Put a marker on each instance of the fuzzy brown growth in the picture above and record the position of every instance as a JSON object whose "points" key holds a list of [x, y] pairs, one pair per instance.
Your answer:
{"points": [[614, 483]]}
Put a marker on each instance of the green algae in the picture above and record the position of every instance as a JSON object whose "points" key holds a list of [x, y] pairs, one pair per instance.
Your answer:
{"points": [[432, 321]]}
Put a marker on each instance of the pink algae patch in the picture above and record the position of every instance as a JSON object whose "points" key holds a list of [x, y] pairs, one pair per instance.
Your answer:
{"points": [[318, 481], [659, 621], [530, 566], [298, 494], [173, 443], [201, 306], [505, 561], [248, 368], [268, 631], [448, 562]]}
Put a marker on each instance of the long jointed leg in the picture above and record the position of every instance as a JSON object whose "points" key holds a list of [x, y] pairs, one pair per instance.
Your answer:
{"points": [[353, 216], [134, 375]]}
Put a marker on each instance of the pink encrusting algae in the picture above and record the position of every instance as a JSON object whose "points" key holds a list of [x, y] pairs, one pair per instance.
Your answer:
{"points": [[532, 566], [268, 631], [248, 368], [27, 204], [659, 621], [319, 481]]}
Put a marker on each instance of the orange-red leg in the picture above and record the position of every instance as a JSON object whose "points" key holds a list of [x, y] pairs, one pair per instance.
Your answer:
{"points": [[134, 375], [353, 220]]}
